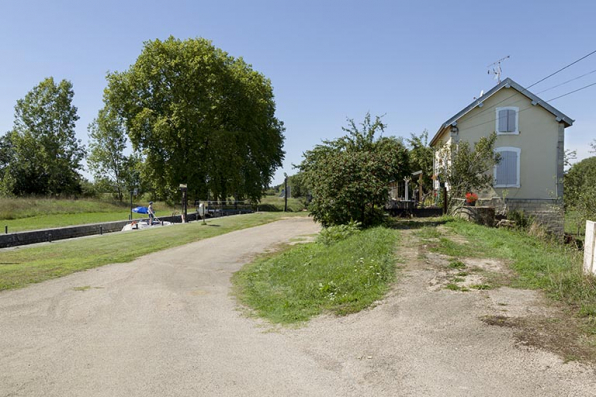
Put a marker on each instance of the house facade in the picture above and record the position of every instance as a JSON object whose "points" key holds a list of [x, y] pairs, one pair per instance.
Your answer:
{"points": [[530, 139]]}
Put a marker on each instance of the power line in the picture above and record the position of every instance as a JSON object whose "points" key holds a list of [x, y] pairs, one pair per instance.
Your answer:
{"points": [[529, 107], [579, 89], [568, 81], [539, 81], [563, 68]]}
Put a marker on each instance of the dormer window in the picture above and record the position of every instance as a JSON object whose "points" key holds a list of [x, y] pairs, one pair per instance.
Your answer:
{"points": [[507, 120]]}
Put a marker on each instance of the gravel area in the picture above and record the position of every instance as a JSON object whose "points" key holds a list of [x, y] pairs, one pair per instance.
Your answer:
{"points": [[166, 325]]}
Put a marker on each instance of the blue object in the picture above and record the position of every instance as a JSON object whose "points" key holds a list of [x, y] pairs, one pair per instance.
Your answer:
{"points": [[140, 210]]}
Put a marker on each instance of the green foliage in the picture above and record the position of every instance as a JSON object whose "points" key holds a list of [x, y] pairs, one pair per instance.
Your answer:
{"points": [[466, 168], [313, 278], [580, 190], [333, 234], [200, 117], [522, 221], [297, 186], [421, 159], [349, 177], [112, 170], [41, 155]]}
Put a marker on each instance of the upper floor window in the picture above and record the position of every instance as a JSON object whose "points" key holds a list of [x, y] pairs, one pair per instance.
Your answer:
{"points": [[507, 120], [507, 172]]}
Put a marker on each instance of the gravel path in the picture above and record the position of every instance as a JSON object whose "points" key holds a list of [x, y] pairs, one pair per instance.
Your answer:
{"points": [[165, 325]]}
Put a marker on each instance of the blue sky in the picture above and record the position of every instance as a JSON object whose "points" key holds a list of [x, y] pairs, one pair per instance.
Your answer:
{"points": [[415, 62]]}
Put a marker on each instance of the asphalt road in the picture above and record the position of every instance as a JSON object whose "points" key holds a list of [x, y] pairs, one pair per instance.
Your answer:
{"points": [[166, 325]]}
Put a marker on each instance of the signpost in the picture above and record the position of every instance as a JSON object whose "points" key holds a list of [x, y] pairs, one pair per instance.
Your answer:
{"points": [[184, 189]]}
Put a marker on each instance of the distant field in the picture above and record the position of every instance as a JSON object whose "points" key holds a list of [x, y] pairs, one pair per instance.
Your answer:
{"points": [[274, 203]]}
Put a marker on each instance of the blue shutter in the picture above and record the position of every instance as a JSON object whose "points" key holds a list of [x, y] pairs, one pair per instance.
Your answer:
{"points": [[511, 120], [502, 121], [507, 169]]}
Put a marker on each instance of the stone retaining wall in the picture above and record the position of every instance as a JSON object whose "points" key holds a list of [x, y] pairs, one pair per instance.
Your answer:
{"points": [[549, 213]]}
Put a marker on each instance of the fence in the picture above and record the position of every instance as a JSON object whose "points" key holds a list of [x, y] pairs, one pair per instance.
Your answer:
{"points": [[223, 208]]}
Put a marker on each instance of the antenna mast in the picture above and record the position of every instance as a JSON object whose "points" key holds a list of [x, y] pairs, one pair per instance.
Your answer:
{"points": [[496, 69]]}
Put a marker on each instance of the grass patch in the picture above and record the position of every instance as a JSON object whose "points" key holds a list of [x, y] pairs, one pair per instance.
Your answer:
{"points": [[32, 264], [457, 265], [428, 233], [310, 279], [550, 266]]}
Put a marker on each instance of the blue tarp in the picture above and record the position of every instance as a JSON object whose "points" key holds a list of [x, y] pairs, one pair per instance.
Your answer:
{"points": [[140, 210]]}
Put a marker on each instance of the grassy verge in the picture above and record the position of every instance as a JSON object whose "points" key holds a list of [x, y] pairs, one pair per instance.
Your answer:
{"points": [[25, 265], [552, 267], [309, 279]]}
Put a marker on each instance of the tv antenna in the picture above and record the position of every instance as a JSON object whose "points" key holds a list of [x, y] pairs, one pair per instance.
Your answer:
{"points": [[496, 69]]}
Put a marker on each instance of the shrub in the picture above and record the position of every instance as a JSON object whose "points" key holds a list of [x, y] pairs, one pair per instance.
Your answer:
{"points": [[333, 234]]}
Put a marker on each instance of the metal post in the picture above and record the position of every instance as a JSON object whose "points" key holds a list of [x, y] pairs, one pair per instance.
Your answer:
{"points": [[131, 205], [101, 230], [444, 200], [286, 192], [6, 229]]}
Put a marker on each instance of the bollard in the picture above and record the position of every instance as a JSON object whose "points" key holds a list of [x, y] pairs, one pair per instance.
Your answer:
{"points": [[6, 229], [49, 237], [101, 230]]}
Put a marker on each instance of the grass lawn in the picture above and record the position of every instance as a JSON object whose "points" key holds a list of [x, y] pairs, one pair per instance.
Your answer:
{"points": [[32, 264], [309, 279]]}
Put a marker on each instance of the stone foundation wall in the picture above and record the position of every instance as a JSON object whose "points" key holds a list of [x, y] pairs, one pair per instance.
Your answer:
{"points": [[549, 213]]}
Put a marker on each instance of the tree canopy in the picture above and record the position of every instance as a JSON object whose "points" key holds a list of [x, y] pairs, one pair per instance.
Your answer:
{"points": [[111, 168], [466, 168], [44, 156], [199, 117], [580, 188], [349, 177]]}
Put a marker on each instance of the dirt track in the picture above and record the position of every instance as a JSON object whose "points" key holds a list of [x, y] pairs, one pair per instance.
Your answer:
{"points": [[165, 325]]}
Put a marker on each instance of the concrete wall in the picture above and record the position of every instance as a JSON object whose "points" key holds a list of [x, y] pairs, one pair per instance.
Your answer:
{"points": [[45, 235]]}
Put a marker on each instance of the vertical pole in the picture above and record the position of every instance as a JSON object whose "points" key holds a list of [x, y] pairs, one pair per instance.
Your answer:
{"points": [[444, 200], [131, 205], [286, 193], [6, 229]]}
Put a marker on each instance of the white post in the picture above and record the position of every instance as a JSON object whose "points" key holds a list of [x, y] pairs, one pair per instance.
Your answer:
{"points": [[407, 194], [589, 248]]}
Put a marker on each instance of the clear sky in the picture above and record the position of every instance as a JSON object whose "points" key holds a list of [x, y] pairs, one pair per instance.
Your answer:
{"points": [[417, 62]]}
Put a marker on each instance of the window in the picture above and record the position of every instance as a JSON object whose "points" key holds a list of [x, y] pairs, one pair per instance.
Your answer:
{"points": [[507, 120], [508, 170]]}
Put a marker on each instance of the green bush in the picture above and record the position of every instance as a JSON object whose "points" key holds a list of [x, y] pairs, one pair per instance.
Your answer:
{"points": [[333, 234]]}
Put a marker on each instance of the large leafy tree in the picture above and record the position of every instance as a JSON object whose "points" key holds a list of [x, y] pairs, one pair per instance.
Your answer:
{"points": [[111, 168], [349, 176], [468, 168], [200, 117], [580, 188], [46, 156]]}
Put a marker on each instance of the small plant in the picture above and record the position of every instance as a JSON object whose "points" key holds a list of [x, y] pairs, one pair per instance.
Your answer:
{"points": [[333, 234], [457, 265]]}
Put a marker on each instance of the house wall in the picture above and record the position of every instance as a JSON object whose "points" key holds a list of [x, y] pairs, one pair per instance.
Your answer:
{"points": [[538, 140]]}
